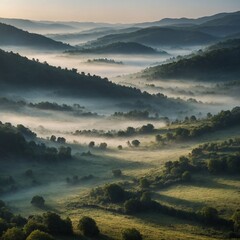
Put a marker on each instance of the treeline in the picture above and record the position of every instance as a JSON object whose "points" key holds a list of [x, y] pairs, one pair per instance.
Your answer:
{"points": [[128, 202], [51, 226], [218, 64], [215, 158], [13, 143], [222, 120], [29, 74], [51, 106], [130, 131]]}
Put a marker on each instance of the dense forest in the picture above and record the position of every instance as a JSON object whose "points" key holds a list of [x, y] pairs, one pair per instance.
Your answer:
{"points": [[119, 48], [11, 36], [33, 74], [218, 64]]}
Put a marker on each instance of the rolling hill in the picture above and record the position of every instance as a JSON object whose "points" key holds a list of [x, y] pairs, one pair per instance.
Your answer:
{"points": [[20, 73], [221, 27], [158, 36], [89, 35], [220, 62], [119, 48], [11, 36]]}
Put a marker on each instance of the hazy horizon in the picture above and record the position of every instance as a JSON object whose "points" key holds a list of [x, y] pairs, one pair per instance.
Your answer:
{"points": [[124, 11]]}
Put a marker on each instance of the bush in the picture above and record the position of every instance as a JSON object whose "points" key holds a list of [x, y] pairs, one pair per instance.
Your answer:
{"points": [[88, 227], [56, 225], [117, 173], [131, 234], [144, 183], [38, 235], [103, 146], [13, 234], [3, 226], [114, 193], [38, 201], [132, 206], [210, 214], [33, 225], [186, 176], [136, 143]]}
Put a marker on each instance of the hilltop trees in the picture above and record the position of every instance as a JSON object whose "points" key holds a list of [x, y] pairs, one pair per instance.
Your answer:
{"points": [[88, 227], [38, 201], [131, 234]]}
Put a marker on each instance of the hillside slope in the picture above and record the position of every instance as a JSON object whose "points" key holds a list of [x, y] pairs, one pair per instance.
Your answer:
{"points": [[157, 36], [220, 63], [18, 73], [120, 48], [11, 36]]}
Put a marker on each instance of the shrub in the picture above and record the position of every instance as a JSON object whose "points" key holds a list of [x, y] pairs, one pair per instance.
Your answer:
{"points": [[210, 214], [88, 227], [38, 201], [38, 235], [131, 234], [3, 226], [103, 146], [186, 176], [136, 143], [56, 225], [13, 234], [33, 225], [91, 144], [114, 193], [144, 183], [117, 173], [132, 206]]}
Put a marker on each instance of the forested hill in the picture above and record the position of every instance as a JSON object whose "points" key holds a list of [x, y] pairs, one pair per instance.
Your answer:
{"points": [[221, 63], [120, 48], [158, 36], [12, 36], [17, 72]]}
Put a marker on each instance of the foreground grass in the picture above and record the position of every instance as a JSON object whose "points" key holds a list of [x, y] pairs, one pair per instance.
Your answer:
{"points": [[152, 226]]}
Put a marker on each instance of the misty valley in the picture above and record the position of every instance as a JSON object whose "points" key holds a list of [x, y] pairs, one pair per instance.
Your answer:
{"points": [[120, 131]]}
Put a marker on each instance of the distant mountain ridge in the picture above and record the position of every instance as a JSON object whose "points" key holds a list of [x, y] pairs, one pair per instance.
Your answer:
{"points": [[158, 36], [177, 21]]}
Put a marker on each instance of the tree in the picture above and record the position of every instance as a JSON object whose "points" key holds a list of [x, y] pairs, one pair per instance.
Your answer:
{"points": [[61, 140], [131, 234], [64, 153], [186, 176], [33, 225], [38, 201], [120, 147], [3, 226], [144, 183], [236, 220], [56, 225], [114, 193], [132, 206], [146, 197], [39, 235], [210, 214], [88, 227], [103, 146], [158, 138], [53, 138], [136, 143], [91, 144], [117, 173], [13, 234]]}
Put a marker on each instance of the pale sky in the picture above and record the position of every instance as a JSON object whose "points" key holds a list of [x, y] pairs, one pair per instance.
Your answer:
{"points": [[113, 10]]}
